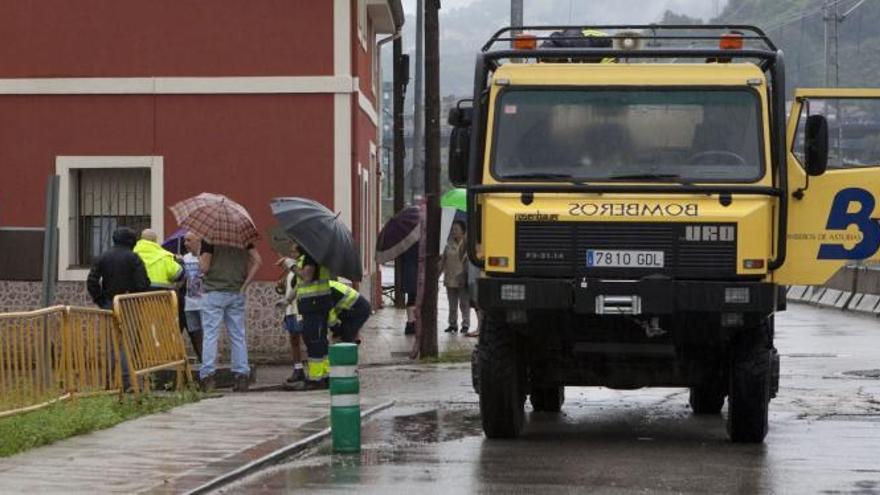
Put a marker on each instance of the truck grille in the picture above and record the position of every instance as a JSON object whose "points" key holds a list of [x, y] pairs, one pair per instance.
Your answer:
{"points": [[559, 249]]}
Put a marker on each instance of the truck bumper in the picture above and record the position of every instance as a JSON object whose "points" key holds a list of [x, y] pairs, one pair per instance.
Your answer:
{"points": [[651, 296]]}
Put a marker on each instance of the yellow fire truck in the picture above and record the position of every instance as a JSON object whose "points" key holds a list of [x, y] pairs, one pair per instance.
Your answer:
{"points": [[637, 204]]}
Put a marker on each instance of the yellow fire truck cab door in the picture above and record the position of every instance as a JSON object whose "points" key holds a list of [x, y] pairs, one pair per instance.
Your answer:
{"points": [[833, 217]]}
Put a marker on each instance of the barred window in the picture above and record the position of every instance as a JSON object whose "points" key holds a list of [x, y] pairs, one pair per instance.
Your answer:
{"points": [[106, 199]]}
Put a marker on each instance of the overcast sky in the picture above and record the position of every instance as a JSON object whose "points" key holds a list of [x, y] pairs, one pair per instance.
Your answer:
{"points": [[466, 24]]}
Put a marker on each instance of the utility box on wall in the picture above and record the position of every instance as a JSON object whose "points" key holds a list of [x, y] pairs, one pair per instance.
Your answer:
{"points": [[21, 254]]}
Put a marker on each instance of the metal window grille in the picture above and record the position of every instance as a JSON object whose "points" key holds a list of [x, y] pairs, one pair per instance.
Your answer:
{"points": [[106, 199]]}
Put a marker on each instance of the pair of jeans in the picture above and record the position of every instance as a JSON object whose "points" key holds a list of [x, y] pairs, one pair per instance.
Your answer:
{"points": [[123, 357], [228, 308]]}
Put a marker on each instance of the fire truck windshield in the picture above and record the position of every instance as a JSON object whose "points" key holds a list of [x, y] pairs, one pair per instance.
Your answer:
{"points": [[655, 134]]}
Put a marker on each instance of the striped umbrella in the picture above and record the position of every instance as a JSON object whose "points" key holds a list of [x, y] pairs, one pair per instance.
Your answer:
{"points": [[217, 219]]}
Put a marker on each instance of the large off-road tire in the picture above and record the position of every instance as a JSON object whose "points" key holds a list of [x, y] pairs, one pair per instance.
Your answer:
{"points": [[750, 386], [707, 398], [502, 395], [547, 399], [475, 369]]}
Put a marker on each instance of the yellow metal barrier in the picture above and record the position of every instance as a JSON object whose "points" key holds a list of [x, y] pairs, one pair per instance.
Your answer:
{"points": [[33, 370], [62, 352], [92, 351], [150, 335]]}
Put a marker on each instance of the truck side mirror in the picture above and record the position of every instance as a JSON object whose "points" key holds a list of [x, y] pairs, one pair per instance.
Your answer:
{"points": [[460, 116], [459, 143], [816, 145]]}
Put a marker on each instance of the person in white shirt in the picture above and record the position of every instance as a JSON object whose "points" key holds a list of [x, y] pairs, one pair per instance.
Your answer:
{"points": [[292, 323], [193, 300]]}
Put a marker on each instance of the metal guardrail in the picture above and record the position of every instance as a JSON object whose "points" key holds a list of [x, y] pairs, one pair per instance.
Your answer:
{"points": [[150, 336], [32, 365], [65, 352], [92, 352]]}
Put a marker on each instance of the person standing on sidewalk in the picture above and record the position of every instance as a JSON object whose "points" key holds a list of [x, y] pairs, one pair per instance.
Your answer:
{"points": [[291, 323], [193, 298], [117, 271], [314, 302], [228, 272], [162, 269], [410, 262], [453, 264]]}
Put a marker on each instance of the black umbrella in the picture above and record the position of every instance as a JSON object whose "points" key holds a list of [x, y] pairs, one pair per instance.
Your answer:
{"points": [[321, 234]]}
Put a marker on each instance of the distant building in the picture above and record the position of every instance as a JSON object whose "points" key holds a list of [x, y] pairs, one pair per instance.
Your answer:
{"points": [[139, 104]]}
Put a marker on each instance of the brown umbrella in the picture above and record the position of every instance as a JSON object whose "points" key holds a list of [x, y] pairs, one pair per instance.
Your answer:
{"points": [[217, 219]]}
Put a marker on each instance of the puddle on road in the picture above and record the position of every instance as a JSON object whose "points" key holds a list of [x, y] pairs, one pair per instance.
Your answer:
{"points": [[434, 426], [863, 373], [867, 417], [809, 355], [388, 440]]}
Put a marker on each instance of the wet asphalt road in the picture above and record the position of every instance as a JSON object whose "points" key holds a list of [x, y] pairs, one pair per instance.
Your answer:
{"points": [[824, 436]]}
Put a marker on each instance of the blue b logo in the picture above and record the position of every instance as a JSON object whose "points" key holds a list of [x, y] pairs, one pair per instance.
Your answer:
{"points": [[840, 219]]}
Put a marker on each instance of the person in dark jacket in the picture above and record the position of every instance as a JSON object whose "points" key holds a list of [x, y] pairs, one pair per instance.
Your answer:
{"points": [[117, 271], [410, 262]]}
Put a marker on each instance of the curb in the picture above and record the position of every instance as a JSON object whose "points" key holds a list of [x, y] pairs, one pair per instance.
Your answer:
{"points": [[276, 456]]}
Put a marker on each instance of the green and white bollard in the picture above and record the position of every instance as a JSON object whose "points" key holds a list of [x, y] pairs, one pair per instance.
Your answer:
{"points": [[345, 402]]}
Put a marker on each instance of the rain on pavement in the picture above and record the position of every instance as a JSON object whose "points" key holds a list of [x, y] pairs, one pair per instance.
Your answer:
{"points": [[824, 432]]}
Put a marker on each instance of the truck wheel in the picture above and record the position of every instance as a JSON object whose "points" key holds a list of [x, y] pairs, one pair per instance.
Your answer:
{"points": [[750, 387], [475, 369], [548, 399], [502, 397], [706, 399]]}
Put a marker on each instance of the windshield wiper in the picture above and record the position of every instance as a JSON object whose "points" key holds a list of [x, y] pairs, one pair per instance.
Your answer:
{"points": [[674, 177]]}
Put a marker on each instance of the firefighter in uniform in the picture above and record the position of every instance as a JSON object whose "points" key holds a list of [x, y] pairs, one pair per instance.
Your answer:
{"points": [[314, 300], [350, 311]]}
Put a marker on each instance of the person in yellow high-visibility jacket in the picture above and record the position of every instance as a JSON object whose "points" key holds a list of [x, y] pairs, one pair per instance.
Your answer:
{"points": [[349, 313], [163, 270], [314, 302]]}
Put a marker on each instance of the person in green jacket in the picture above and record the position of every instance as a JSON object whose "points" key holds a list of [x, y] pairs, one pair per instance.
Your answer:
{"points": [[163, 270]]}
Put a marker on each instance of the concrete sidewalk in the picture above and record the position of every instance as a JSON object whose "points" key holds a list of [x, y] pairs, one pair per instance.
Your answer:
{"points": [[171, 452]]}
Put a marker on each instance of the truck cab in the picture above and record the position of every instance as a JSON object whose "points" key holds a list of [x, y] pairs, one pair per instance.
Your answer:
{"points": [[636, 207]]}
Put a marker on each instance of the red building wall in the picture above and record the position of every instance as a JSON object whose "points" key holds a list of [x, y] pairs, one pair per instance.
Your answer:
{"points": [[132, 38], [252, 147]]}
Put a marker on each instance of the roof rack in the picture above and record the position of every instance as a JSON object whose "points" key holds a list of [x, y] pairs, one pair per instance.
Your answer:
{"points": [[659, 38]]}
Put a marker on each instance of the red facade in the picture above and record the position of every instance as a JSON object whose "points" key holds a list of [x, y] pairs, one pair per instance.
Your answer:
{"points": [[189, 38], [194, 83]]}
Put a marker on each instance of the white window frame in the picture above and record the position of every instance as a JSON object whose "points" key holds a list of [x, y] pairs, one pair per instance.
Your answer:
{"points": [[65, 166]]}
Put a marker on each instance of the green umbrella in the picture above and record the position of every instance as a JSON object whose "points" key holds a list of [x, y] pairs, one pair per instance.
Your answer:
{"points": [[454, 198]]}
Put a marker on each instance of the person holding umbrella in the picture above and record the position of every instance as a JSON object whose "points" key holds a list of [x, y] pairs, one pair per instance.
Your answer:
{"points": [[314, 301], [327, 248], [229, 263]]}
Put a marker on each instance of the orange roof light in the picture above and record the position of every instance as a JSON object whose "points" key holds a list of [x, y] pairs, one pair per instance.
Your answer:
{"points": [[524, 41], [731, 41]]}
